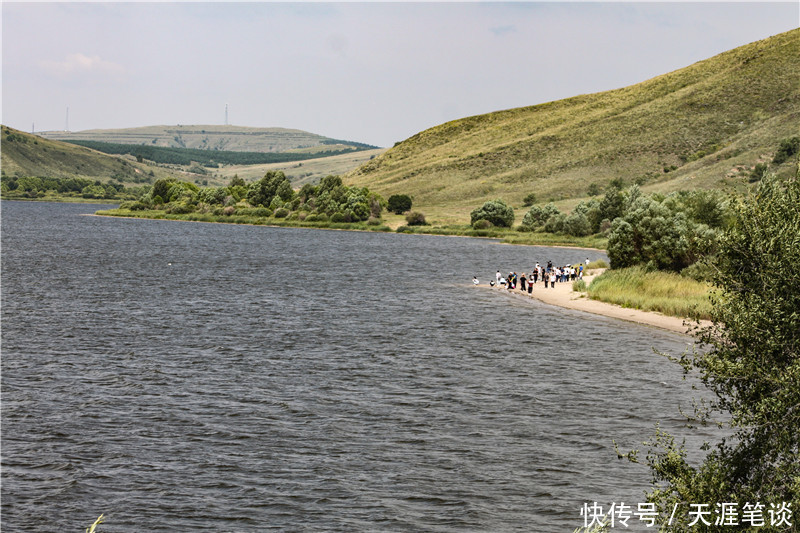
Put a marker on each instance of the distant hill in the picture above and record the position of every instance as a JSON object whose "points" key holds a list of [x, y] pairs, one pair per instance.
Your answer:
{"points": [[209, 137], [702, 126], [24, 154]]}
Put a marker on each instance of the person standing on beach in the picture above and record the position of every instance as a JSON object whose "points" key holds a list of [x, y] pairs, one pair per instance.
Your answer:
{"points": [[499, 277], [522, 281]]}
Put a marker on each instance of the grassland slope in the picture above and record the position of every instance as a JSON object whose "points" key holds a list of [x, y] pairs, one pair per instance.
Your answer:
{"points": [[24, 154], [685, 129]]}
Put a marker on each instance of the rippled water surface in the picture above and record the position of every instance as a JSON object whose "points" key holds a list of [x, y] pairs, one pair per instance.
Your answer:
{"points": [[203, 377]]}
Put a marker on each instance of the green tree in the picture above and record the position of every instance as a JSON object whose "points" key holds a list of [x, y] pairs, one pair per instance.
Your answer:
{"points": [[399, 203], [750, 359], [537, 216], [495, 211], [161, 188], [236, 181], [651, 232], [612, 205], [263, 191]]}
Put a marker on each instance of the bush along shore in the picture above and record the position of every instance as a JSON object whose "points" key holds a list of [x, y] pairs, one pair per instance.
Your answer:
{"points": [[270, 200], [328, 205]]}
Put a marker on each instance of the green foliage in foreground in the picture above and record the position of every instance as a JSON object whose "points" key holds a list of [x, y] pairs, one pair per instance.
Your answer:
{"points": [[750, 359], [663, 292]]}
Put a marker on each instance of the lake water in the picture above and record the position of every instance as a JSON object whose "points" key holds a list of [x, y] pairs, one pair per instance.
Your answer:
{"points": [[205, 377]]}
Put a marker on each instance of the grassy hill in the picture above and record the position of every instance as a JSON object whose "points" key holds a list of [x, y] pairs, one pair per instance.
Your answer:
{"points": [[209, 137], [703, 126], [24, 154]]}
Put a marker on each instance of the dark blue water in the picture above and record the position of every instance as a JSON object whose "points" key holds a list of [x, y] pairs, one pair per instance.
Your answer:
{"points": [[203, 377]]}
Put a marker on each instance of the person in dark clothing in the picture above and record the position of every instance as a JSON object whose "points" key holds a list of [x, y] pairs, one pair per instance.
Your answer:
{"points": [[522, 281]]}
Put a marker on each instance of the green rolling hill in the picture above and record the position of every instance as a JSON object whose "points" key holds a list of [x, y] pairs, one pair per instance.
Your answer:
{"points": [[703, 126]]}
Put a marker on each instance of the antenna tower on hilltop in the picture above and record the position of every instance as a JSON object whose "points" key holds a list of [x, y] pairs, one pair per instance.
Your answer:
{"points": [[66, 125], [226, 114]]}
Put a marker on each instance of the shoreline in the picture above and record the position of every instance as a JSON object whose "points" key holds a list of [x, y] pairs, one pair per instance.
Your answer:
{"points": [[499, 239], [563, 296]]}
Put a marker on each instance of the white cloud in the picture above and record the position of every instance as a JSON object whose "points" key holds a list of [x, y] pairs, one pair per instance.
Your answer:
{"points": [[77, 64]]}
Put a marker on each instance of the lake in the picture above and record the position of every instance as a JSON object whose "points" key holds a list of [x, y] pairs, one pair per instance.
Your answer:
{"points": [[205, 377]]}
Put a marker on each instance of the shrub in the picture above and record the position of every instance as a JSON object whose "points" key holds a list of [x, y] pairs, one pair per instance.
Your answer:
{"points": [[415, 218], [529, 200], [281, 212], [338, 217], [179, 209], [317, 217], [399, 203], [787, 149], [482, 224], [404, 229], [372, 221], [133, 206], [228, 211], [758, 172], [495, 211]]}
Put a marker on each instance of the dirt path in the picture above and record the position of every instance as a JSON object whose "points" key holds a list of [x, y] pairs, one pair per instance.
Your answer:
{"points": [[563, 296]]}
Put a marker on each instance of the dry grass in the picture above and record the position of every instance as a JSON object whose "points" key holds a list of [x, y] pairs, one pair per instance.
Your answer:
{"points": [[664, 292]]}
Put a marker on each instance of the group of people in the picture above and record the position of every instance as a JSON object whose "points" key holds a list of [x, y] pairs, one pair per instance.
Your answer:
{"points": [[547, 274]]}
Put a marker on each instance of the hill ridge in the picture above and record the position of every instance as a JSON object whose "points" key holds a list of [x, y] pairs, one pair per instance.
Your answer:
{"points": [[207, 137], [679, 127]]}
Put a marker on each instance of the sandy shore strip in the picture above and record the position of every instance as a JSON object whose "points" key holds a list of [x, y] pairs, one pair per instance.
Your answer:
{"points": [[563, 296]]}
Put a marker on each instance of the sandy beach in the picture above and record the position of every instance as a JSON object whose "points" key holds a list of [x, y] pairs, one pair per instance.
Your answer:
{"points": [[563, 296]]}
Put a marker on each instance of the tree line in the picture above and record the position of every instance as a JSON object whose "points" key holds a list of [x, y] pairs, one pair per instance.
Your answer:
{"points": [[207, 158], [39, 187], [270, 196]]}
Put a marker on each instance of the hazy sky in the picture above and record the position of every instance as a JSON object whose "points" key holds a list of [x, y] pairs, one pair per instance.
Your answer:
{"points": [[369, 72]]}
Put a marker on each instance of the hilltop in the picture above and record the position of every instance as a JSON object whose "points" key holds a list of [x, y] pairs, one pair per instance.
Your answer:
{"points": [[704, 126], [210, 137]]}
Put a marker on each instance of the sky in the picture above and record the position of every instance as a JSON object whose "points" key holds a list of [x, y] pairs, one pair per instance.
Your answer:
{"points": [[371, 72]]}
